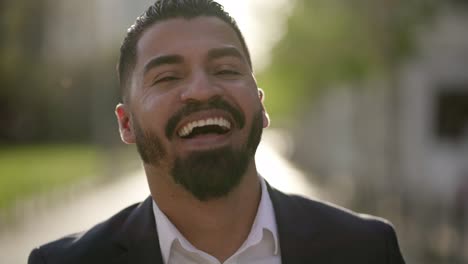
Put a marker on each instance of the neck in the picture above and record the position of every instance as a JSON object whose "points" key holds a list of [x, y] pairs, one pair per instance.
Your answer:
{"points": [[213, 221]]}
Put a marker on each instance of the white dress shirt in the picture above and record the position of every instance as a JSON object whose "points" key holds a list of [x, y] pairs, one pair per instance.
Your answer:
{"points": [[261, 246]]}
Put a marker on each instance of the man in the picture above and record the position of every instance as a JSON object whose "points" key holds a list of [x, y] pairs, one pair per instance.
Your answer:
{"points": [[192, 107]]}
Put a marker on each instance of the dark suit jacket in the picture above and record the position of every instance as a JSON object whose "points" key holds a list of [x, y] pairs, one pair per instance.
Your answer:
{"points": [[309, 232]]}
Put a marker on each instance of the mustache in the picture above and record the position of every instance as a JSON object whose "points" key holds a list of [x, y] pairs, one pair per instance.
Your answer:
{"points": [[193, 107]]}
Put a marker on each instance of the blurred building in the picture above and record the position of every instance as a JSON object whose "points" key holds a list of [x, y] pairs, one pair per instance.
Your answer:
{"points": [[58, 65], [82, 30], [79, 49], [398, 146]]}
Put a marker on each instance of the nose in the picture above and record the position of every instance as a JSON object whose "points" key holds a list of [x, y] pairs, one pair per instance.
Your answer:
{"points": [[200, 88]]}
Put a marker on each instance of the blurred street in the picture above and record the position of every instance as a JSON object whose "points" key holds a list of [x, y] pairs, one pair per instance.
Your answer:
{"points": [[96, 205]]}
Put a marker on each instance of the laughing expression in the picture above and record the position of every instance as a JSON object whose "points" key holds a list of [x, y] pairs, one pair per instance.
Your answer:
{"points": [[192, 90]]}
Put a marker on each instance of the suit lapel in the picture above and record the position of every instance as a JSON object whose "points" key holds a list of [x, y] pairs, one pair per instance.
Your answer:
{"points": [[139, 237], [297, 229]]}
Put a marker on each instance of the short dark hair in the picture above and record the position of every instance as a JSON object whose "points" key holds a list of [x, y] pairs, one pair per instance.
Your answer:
{"points": [[163, 10]]}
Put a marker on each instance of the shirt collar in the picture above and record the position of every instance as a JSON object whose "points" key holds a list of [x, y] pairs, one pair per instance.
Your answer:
{"points": [[264, 220], [167, 232]]}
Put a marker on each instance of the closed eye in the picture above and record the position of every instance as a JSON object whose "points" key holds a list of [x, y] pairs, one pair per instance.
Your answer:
{"points": [[227, 72], [166, 79]]}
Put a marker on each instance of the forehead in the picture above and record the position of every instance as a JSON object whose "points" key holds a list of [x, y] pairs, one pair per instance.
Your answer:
{"points": [[185, 37]]}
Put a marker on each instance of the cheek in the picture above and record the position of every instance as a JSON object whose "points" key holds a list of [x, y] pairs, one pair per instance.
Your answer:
{"points": [[149, 103], [153, 114], [249, 99], [151, 99], [244, 91], [158, 105]]}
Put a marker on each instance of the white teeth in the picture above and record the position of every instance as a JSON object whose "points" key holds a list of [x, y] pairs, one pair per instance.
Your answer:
{"points": [[225, 123], [188, 128]]}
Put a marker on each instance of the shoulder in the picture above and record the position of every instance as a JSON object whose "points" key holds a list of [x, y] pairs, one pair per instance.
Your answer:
{"points": [[303, 222], [321, 211], [332, 213], [335, 217], [90, 244]]}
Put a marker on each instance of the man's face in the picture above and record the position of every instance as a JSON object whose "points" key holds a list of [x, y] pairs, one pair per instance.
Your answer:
{"points": [[193, 108]]}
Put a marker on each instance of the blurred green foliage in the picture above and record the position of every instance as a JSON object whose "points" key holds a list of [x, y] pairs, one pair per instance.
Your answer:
{"points": [[330, 42], [32, 170]]}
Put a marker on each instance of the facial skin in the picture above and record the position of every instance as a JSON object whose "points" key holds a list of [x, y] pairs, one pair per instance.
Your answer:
{"points": [[188, 71]]}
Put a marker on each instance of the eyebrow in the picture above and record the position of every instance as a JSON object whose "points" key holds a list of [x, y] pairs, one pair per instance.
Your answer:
{"points": [[224, 52], [162, 60]]}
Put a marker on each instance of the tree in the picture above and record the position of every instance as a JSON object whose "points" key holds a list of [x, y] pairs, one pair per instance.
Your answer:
{"points": [[339, 41]]}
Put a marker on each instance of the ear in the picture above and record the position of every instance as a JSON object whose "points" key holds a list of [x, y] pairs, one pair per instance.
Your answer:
{"points": [[266, 117], [125, 124]]}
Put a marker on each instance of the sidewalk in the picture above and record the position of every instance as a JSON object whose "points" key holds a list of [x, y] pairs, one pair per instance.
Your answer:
{"points": [[97, 205]]}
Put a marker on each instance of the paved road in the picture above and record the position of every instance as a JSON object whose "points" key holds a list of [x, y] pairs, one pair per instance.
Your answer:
{"points": [[96, 205]]}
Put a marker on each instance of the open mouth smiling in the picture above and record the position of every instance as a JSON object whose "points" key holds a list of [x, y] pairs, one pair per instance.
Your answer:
{"points": [[208, 121], [205, 126]]}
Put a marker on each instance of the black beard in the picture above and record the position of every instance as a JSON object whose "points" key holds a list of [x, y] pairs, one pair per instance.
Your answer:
{"points": [[148, 145], [210, 174], [215, 173], [205, 174]]}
